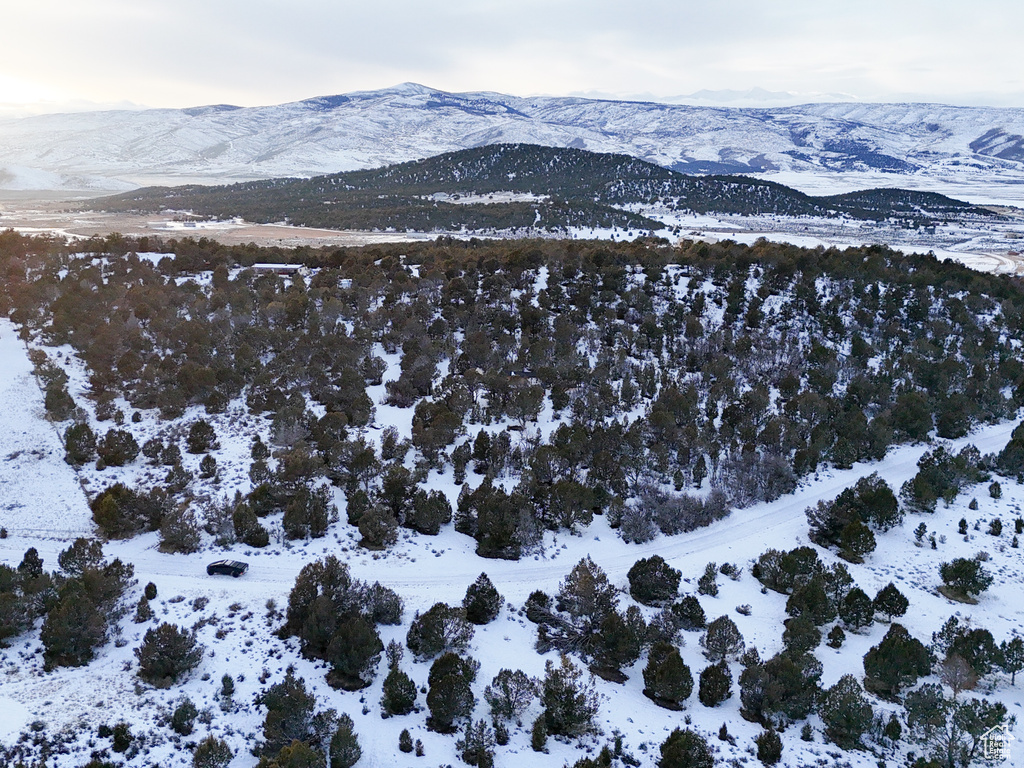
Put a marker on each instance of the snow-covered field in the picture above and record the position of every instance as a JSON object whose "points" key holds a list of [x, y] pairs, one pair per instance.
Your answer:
{"points": [[43, 506]]}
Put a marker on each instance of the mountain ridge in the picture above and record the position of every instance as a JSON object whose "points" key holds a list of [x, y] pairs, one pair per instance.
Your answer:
{"points": [[921, 145], [565, 188]]}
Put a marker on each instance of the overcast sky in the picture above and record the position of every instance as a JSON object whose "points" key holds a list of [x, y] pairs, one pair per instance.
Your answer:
{"points": [[190, 52]]}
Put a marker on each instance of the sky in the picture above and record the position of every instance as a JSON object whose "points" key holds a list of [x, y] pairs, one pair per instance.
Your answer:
{"points": [[176, 53]]}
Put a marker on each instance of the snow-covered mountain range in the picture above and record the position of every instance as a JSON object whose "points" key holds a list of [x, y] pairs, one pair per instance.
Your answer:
{"points": [[928, 146]]}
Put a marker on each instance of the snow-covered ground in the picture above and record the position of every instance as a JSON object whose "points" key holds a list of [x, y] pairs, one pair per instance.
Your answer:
{"points": [[44, 506]]}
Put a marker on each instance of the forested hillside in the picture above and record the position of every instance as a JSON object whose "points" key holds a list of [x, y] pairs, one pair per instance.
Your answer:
{"points": [[571, 187], [748, 366], [210, 401]]}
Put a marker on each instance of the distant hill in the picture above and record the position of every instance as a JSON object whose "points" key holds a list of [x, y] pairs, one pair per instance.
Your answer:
{"points": [[517, 186]]}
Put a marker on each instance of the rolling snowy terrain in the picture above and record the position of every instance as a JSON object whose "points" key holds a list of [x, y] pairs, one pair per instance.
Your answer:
{"points": [[972, 152], [45, 502]]}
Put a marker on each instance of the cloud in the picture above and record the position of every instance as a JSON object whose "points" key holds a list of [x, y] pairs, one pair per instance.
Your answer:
{"points": [[190, 52]]}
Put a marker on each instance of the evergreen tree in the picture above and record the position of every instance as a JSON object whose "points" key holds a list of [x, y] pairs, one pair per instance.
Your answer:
{"points": [[952, 732], [289, 717], [212, 752], [715, 684], [620, 641], [689, 613], [1012, 652], [652, 581], [510, 694], [964, 577], [450, 697], [707, 584], [167, 654], [769, 746], [722, 639], [846, 713], [895, 663], [685, 749], [184, 717], [476, 747], [117, 448], [812, 600], [780, 690], [201, 437], [248, 528], [73, 628], [801, 635], [344, 746], [179, 531], [890, 602], [405, 741], [79, 444], [378, 528], [439, 630], [83, 554], [399, 693], [570, 704], [856, 610], [482, 601], [353, 653], [667, 680], [430, 510]]}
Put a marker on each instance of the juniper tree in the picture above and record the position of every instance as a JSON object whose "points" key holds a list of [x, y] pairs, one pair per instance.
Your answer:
{"points": [[353, 653], [652, 581], [952, 732], [442, 628], [685, 749], [117, 448], [856, 610], [79, 444], [344, 745], [769, 746], [430, 510], [890, 602], [449, 697], [689, 613], [707, 584], [212, 752], [801, 635], [667, 679], [201, 437], [184, 717], [715, 684], [398, 695], [476, 747], [1012, 652], [247, 526], [290, 709], [510, 693], [73, 628], [780, 690], [897, 662], [846, 713], [722, 639], [620, 641], [81, 555], [965, 577], [570, 703], [167, 654], [482, 601]]}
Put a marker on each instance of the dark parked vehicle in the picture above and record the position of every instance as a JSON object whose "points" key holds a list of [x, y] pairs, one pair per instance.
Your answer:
{"points": [[227, 568]]}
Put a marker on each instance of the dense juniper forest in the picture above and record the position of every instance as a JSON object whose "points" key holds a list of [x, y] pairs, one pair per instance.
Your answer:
{"points": [[662, 387], [574, 188]]}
